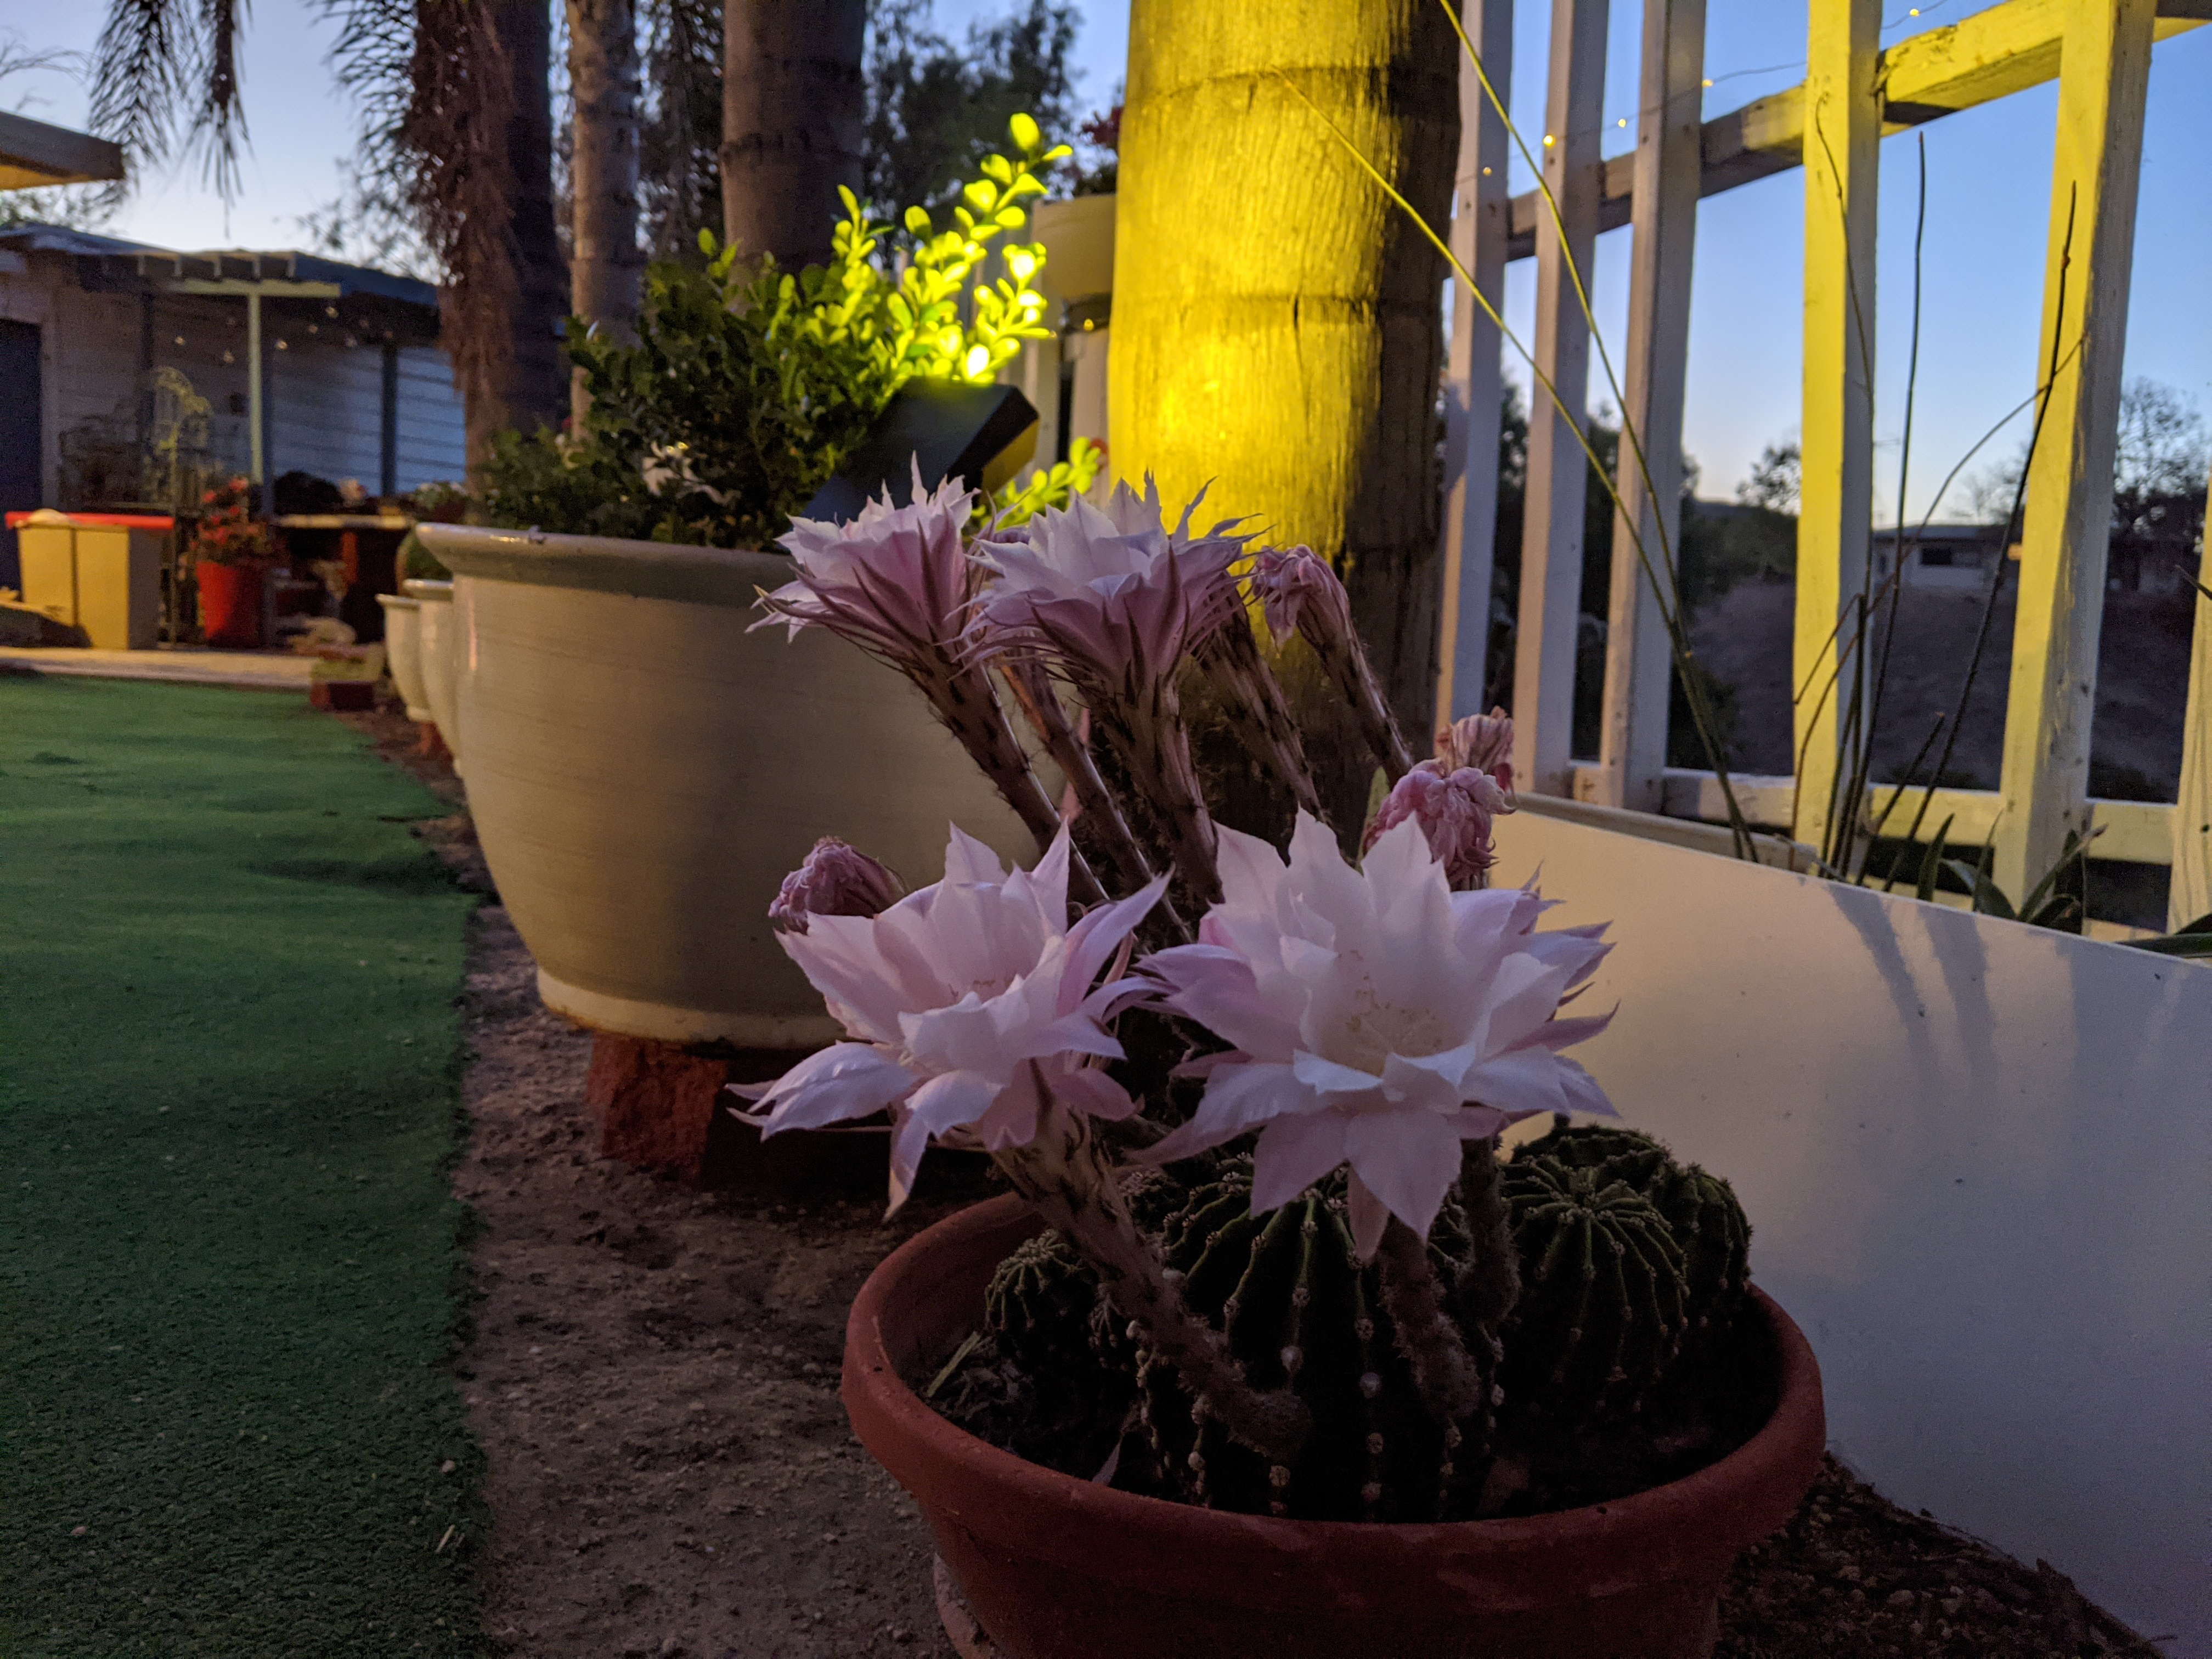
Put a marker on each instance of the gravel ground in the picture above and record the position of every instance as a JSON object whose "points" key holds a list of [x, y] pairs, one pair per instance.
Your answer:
{"points": [[653, 1376]]}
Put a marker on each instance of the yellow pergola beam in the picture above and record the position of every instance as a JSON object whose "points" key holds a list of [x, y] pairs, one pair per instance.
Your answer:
{"points": [[1989, 56], [34, 155]]}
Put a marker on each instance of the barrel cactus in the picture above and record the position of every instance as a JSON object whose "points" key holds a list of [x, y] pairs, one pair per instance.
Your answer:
{"points": [[1604, 1301], [1701, 1209], [1301, 1312]]}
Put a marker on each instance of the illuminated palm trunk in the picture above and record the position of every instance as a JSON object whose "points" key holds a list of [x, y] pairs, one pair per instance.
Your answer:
{"points": [[1277, 324]]}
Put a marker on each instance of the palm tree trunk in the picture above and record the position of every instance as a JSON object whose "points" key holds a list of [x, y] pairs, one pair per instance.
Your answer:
{"points": [[529, 385], [605, 264], [1277, 321], [793, 108]]}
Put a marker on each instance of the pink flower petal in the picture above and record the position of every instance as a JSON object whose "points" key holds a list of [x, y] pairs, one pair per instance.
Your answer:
{"points": [[1236, 1097], [845, 1080], [952, 1100], [1292, 1153], [1408, 1159], [1370, 1217]]}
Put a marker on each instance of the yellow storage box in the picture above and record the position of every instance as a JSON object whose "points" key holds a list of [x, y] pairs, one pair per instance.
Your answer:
{"points": [[97, 571]]}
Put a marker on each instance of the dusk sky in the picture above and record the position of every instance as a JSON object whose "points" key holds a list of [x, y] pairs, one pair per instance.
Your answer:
{"points": [[1988, 202]]}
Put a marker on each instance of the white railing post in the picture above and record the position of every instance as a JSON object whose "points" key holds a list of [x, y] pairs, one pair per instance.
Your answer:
{"points": [[1632, 742], [1473, 385], [2103, 78], [1552, 530], [1842, 171]]}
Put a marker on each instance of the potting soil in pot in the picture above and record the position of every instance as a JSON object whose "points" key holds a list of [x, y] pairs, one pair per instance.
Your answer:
{"points": [[1634, 1374]]}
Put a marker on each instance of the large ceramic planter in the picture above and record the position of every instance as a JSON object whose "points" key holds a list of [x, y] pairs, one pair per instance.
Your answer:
{"points": [[643, 772], [439, 651], [402, 652], [1058, 1568]]}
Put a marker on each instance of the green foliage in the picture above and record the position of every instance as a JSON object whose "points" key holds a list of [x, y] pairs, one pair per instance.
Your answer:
{"points": [[935, 108], [416, 562], [748, 386]]}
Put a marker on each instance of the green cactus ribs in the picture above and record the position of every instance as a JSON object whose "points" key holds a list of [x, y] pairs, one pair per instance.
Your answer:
{"points": [[1302, 1312], [1615, 1360], [1603, 1297], [1700, 1209]]}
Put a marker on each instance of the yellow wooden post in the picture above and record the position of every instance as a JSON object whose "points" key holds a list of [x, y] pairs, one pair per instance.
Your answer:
{"points": [[1552, 530], [1632, 742], [2188, 895], [2103, 77], [1473, 382], [1843, 129]]}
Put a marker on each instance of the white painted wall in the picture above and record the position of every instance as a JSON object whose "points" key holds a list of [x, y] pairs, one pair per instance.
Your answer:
{"points": [[1978, 1159], [325, 399]]}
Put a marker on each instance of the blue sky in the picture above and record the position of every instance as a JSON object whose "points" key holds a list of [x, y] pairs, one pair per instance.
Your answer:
{"points": [[1988, 198]]}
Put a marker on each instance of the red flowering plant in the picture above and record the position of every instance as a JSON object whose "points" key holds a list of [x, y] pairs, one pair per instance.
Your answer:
{"points": [[227, 533]]}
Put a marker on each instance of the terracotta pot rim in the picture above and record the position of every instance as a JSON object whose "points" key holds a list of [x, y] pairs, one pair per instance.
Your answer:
{"points": [[1701, 1522]]}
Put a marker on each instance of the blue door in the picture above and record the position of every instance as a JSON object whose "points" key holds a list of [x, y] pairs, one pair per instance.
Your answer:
{"points": [[20, 431]]}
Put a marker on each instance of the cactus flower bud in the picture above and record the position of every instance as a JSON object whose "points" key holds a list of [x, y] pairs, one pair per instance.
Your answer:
{"points": [[835, 880], [1484, 742], [1453, 811]]}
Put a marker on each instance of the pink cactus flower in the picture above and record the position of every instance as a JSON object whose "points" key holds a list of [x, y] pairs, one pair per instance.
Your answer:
{"points": [[1376, 1018], [1111, 597], [963, 1002], [896, 581], [837, 879], [1453, 810], [1484, 742], [1113, 601]]}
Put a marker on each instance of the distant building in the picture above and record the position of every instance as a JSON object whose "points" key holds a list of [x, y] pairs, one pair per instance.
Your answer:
{"points": [[351, 382], [1942, 556]]}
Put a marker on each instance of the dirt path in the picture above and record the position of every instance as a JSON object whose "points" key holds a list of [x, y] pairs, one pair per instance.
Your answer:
{"points": [[654, 1379]]}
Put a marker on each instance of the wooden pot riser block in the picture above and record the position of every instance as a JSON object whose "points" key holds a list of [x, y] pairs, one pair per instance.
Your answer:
{"points": [[664, 1107]]}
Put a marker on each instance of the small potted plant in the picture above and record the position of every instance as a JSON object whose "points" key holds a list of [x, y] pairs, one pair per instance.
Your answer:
{"points": [[1273, 1350], [231, 550]]}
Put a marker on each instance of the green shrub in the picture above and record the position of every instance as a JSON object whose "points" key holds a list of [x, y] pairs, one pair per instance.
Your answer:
{"points": [[750, 385]]}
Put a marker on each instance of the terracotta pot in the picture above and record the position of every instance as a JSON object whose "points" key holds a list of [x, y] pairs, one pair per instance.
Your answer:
{"points": [[438, 649], [643, 772], [230, 604], [402, 652], [1058, 1568]]}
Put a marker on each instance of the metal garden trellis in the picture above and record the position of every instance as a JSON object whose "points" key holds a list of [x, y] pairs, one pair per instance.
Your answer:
{"points": [[1854, 94]]}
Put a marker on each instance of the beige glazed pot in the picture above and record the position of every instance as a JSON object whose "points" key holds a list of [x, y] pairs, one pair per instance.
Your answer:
{"points": [[439, 652], [644, 772], [402, 652]]}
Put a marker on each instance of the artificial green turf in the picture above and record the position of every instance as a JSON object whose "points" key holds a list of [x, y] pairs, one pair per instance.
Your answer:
{"points": [[229, 1254]]}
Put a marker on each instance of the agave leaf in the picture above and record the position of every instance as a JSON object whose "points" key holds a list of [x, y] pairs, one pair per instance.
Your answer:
{"points": [[1932, 865], [1989, 899], [2193, 941]]}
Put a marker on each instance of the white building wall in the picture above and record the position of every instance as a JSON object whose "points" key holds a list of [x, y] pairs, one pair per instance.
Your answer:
{"points": [[433, 434], [325, 413]]}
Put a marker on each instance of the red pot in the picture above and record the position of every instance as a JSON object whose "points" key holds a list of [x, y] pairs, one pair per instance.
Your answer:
{"points": [[1058, 1568], [230, 604]]}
